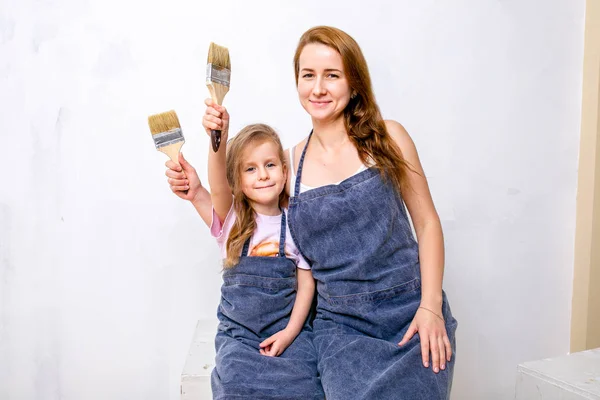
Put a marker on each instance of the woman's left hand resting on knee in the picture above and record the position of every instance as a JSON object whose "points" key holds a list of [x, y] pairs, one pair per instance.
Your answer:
{"points": [[433, 337]]}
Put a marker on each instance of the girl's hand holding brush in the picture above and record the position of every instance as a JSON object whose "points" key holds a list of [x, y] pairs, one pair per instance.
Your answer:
{"points": [[216, 117]]}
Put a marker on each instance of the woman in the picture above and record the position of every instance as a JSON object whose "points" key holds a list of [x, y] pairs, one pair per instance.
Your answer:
{"points": [[377, 287]]}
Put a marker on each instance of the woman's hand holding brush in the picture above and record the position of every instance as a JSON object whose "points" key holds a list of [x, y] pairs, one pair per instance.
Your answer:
{"points": [[185, 183]]}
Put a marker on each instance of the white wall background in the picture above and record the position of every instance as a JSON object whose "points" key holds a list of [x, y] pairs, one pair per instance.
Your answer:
{"points": [[103, 272]]}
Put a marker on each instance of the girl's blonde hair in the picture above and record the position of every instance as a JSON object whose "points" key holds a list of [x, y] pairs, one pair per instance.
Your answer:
{"points": [[245, 223], [362, 118]]}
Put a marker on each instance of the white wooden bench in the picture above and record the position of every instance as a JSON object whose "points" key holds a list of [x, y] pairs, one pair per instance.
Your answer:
{"points": [[195, 378], [572, 377]]}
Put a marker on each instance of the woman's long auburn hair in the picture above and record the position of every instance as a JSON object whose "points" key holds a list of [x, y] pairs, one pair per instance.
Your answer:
{"points": [[362, 118], [245, 223]]}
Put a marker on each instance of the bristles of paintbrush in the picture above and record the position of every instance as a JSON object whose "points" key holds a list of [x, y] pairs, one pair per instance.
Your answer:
{"points": [[163, 122], [166, 131], [218, 71], [218, 56]]}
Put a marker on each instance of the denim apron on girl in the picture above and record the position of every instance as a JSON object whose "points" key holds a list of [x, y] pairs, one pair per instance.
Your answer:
{"points": [[257, 297], [364, 257]]}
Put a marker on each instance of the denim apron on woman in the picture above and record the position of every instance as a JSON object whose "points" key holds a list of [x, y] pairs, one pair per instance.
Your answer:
{"points": [[357, 236], [257, 297]]}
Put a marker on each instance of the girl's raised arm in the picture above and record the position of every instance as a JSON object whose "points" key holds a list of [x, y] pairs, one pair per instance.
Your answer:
{"points": [[216, 117]]}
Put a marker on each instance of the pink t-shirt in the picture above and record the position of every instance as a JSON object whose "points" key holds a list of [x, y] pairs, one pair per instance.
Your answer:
{"points": [[264, 241]]}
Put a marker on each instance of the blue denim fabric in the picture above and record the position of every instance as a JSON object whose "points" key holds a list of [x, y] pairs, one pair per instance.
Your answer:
{"points": [[257, 297], [365, 260]]}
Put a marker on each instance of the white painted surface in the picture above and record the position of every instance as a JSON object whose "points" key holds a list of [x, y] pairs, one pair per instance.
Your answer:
{"points": [[104, 273], [200, 360], [574, 376]]}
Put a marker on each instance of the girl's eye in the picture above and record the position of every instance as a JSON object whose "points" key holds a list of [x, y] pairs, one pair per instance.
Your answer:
{"points": [[250, 169], [270, 165]]}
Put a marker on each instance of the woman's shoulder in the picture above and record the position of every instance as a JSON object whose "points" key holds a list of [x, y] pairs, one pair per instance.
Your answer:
{"points": [[296, 149], [299, 145], [395, 129], [398, 133]]}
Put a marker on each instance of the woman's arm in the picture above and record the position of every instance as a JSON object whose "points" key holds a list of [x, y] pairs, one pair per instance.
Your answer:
{"points": [[185, 183], [428, 320], [425, 221], [290, 168], [203, 205]]}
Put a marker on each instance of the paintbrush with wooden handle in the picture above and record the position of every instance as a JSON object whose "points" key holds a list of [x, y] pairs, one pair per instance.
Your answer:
{"points": [[167, 134], [218, 77]]}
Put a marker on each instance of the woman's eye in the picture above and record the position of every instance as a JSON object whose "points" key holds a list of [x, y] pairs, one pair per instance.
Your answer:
{"points": [[306, 76], [333, 76]]}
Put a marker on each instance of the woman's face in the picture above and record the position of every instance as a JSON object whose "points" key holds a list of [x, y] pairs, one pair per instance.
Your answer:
{"points": [[323, 88]]}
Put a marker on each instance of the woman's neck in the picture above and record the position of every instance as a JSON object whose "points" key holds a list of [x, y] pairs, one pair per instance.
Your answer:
{"points": [[330, 135]]}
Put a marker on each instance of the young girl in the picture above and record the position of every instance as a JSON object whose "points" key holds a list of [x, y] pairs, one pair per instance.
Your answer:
{"points": [[264, 345]]}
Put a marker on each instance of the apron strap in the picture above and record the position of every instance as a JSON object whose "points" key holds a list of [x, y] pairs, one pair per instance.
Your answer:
{"points": [[300, 163], [246, 246], [282, 235]]}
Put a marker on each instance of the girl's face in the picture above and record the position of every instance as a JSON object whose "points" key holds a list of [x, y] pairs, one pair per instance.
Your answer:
{"points": [[323, 89], [263, 177]]}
